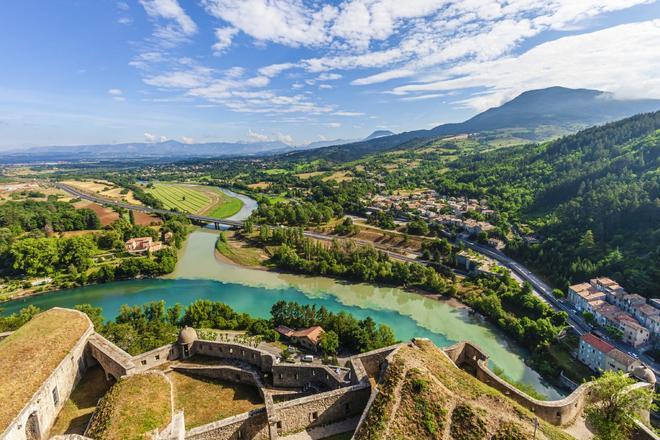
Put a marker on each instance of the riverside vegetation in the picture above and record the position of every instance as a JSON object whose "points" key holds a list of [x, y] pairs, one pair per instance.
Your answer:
{"points": [[32, 245]]}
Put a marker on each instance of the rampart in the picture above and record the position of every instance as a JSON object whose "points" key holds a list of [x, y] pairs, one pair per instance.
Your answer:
{"points": [[558, 412], [37, 417], [263, 360]]}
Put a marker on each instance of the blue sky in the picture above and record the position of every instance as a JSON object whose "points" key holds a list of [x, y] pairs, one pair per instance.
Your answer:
{"points": [[106, 71]]}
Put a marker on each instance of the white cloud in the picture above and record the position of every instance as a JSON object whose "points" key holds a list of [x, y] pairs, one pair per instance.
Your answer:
{"points": [[285, 138], [328, 77], [621, 59], [125, 20], [287, 22], [117, 95], [343, 113], [424, 97], [383, 76], [275, 69], [187, 140], [325, 86], [150, 138], [170, 10], [333, 124], [224, 36], [257, 137]]}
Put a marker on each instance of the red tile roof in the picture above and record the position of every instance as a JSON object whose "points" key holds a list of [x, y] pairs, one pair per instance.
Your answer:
{"points": [[597, 343]]}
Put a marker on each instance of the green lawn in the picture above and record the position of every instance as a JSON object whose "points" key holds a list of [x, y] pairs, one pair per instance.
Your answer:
{"points": [[196, 199]]}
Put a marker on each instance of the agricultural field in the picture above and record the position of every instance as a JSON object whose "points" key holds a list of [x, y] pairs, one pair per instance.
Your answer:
{"points": [[196, 199], [104, 189]]}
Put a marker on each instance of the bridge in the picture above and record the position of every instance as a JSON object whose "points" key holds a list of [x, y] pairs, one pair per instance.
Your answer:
{"points": [[103, 201]]}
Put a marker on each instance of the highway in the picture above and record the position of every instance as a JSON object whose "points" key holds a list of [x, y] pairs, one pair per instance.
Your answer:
{"points": [[103, 201]]}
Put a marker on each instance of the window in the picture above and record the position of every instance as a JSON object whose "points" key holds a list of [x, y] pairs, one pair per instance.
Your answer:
{"points": [[56, 396], [144, 362], [315, 415], [157, 357], [279, 424]]}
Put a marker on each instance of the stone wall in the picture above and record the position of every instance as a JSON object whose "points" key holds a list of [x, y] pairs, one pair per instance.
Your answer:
{"points": [[47, 402], [239, 352], [320, 409], [251, 425], [224, 372], [114, 361], [373, 361], [558, 412], [297, 376], [156, 357]]}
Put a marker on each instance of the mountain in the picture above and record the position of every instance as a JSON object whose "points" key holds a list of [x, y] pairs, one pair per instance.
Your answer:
{"points": [[378, 134], [140, 150], [591, 196], [533, 115], [321, 144]]}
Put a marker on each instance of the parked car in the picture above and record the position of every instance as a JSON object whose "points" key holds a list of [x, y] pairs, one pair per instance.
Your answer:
{"points": [[307, 358]]}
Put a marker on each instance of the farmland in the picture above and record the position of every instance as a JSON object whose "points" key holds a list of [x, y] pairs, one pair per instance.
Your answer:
{"points": [[196, 199]]}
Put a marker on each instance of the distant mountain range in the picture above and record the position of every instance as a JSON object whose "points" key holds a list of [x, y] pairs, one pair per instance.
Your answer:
{"points": [[534, 115], [169, 149]]}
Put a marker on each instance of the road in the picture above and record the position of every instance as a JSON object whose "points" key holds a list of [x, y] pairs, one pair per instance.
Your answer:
{"points": [[574, 319], [103, 201]]}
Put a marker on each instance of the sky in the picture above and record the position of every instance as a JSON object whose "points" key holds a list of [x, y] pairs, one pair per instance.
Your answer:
{"points": [[299, 71]]}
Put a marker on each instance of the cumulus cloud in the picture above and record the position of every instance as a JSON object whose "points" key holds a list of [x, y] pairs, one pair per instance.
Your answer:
{"points": [[224, 36], [187, 140], [257, 137], [170, 10], [621, 59], [117, 94]]}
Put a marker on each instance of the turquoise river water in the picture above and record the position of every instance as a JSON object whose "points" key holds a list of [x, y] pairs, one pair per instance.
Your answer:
{"points": [[200, 275]]}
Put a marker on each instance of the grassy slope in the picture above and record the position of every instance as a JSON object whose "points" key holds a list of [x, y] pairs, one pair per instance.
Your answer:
{"points": [[34, 351], [134, 406], [221, 400], [423, 395]]}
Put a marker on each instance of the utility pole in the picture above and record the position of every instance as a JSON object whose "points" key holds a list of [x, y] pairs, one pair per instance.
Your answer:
{"points": [[536, 425]]}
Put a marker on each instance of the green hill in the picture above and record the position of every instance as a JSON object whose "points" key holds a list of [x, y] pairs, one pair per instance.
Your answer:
{"points": [[593, 198]]}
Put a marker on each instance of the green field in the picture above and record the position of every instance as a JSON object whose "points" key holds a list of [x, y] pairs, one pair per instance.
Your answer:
{"points": [[202, 200]]}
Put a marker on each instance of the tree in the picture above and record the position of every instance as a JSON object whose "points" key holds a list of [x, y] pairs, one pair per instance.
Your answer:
{"points": [[589, 317], [329, 343], [558, 293], [93, 313], [614, 401]]}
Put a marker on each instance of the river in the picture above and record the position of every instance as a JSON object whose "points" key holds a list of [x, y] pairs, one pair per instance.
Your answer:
{"points": [[200, 275]]}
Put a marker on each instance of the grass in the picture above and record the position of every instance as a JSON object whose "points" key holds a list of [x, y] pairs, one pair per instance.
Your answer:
{"points": [[134, 406], [435, 395], [196, 199], [31, 354], [220, 399], [238, 253], [78, 409]]}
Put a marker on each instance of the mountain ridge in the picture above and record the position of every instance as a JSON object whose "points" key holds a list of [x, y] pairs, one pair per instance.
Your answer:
{"points": [[568, 110]]}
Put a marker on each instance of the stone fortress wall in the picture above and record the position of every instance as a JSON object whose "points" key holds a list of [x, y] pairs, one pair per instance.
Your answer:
{"points": [[39, 414], [348, 396]]}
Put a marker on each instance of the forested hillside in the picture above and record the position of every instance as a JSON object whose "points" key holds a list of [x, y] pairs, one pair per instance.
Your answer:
{"points": [[592, 198]]}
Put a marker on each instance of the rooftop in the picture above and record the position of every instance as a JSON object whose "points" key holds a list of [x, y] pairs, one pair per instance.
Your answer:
{"points": [[597, 343], [34, 351], [622, 357]]}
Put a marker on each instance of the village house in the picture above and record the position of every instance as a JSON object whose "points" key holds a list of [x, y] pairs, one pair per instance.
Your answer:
{"points": [[628, 312], [592, 351], [142, 245], [602, 356], [580, 295], [308, 338]]}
